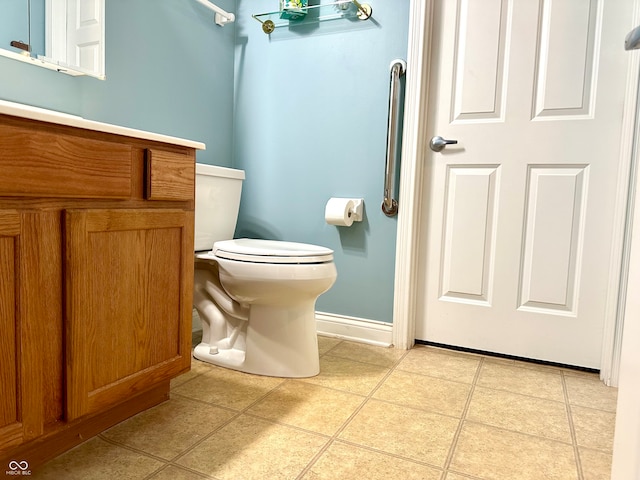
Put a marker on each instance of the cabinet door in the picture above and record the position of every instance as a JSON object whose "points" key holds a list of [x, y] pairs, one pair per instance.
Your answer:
{"points": [[129, 278], [21, 407]]}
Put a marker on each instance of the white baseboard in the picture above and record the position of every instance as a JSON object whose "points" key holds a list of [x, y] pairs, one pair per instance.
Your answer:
{"points": [[355, 329]]}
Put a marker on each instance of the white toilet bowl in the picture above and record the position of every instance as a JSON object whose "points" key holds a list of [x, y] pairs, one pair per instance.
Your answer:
{"points": [[256, 299]]}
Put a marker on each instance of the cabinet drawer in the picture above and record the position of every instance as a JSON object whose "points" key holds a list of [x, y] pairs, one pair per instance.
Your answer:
{"points": [[37, 163], [170, 176]]}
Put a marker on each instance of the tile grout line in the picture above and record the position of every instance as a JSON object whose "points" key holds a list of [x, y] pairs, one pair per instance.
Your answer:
{"points": [[524, 434], [344, 425], [465, 410], [332, 441], [172, 461], [130, 448], [572, 429], [235, 416], [388, 454], [166, 463], [419, 409], [203, 402], [371, 393], [329, 349]]}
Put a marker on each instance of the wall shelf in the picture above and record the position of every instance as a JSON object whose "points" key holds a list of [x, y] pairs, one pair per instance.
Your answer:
{"points": [[350, 9]]}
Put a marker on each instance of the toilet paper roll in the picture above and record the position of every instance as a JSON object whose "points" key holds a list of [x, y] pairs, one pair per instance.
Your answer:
{"points": [[339, 211]]}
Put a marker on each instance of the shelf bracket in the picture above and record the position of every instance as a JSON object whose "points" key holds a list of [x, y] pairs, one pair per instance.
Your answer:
{"points": [[364, 10]]}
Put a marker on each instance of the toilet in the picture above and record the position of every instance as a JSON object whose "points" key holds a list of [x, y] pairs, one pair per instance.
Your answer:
{"points": [[256, 298]]}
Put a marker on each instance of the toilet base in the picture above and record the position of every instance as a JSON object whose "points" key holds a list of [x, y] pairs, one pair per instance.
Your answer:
{"points": [[231, 358], [280, 342]]}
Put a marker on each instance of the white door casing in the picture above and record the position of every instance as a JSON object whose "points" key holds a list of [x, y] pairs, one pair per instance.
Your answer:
{"points": [[56, 30], [472, 100], [626, 445]]}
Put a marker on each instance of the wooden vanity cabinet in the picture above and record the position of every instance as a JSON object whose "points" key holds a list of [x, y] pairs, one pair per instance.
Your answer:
{"points": [[123, 271], [96, 279], [12, 428], [21, 415]]}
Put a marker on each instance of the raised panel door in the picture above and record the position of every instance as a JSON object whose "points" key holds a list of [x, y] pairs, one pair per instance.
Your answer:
{"points": [[11, 428], [128, 303], [518, 218], [21, 376]]}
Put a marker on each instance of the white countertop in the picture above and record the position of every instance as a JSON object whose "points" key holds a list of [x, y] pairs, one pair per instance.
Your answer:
{"points": [[51, 116]]}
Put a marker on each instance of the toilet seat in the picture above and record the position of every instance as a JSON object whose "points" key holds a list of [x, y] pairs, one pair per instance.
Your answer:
{"points": [[271, 251]]}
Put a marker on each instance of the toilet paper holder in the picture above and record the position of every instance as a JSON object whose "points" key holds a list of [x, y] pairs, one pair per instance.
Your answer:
{"points": [[356, 211]]}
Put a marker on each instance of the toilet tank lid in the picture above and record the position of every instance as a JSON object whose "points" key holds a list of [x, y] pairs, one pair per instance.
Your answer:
{"points": [[216, 171], [273, 249]]}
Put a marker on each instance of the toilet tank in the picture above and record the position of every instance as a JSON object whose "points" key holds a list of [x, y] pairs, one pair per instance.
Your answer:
{"points": [[218, 192]]}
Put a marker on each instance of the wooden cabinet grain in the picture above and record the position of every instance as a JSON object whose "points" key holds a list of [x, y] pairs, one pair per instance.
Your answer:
{"points": [[95, 282], [125, 274], [20, 417], [30, 309]]}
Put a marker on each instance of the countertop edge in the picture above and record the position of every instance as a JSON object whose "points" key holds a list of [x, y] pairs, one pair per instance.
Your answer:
{"points": [[51, 116]]}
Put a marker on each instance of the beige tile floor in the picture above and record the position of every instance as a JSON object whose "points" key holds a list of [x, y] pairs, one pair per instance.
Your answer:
{"points": [[372, 413]]}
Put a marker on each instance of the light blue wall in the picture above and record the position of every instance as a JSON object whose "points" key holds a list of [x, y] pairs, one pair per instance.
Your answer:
{"points": [[14, 22], [306, 118], [310, 124], [28, 84], [15, 16], [37, 32], [24, 83], [169, 70]]}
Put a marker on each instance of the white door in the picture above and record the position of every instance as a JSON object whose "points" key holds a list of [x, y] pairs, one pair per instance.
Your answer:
{"points": [[518, 217], [85, 35], [75, 35]]}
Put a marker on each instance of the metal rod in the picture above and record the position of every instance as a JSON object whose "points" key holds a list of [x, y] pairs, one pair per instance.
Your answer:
{"points": [[389, 204]]}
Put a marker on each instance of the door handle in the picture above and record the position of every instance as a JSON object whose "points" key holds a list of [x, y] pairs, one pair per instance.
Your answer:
{"points": [[438, 143]]}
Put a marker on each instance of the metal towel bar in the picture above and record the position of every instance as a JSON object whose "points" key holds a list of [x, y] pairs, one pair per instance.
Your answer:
{"points": [[389, 204], [222, 17]]}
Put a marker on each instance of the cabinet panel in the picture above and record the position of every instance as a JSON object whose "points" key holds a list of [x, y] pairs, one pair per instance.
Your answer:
{"points": [[10, 421], [170, 176], [41, 309], [20, 378], [40, 163], [127, 291]]}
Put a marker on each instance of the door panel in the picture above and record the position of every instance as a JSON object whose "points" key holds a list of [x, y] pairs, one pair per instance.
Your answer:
{"points": [[479, 68], [517, 224], [553, 239], [85, 35], [566, 60], [469, 238]]}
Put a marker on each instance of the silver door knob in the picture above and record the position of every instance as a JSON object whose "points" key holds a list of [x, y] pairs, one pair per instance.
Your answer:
{"points": [[438, 143]]}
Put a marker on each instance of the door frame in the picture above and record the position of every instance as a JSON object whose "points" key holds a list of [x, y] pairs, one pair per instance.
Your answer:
{"points": [[414, 154]]}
